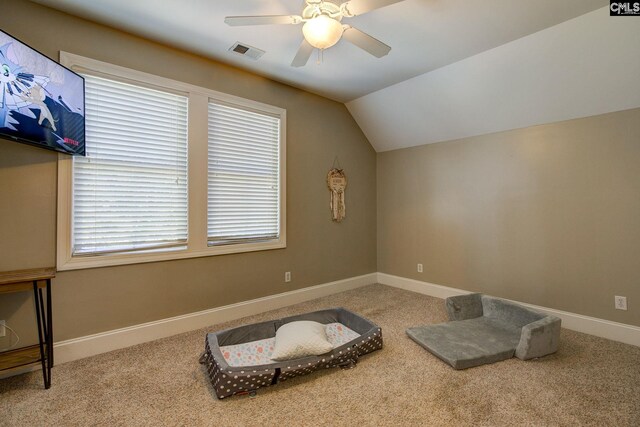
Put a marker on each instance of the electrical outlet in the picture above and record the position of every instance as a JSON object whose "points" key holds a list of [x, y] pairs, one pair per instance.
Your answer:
{"points": [[3, 330], [287, 276], [620, 302], [419, 268]]}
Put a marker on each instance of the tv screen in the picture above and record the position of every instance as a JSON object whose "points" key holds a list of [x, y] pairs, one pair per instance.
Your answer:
{"points": [[41, 102]]}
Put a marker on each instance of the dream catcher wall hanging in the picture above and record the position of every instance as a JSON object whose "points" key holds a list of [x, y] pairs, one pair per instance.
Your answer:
{"points": [[337, 183]]}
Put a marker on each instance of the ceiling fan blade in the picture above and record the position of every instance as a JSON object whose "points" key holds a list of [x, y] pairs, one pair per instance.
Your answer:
{"points": [[302, 57], [263, 20], [358, 7], [365, 42]]}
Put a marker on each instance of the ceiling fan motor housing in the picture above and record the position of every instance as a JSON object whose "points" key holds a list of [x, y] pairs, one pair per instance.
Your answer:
{"points": [[328, 8]]}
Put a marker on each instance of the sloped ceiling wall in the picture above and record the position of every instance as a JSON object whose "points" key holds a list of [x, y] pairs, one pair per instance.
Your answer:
{"points": [[583, 67]]}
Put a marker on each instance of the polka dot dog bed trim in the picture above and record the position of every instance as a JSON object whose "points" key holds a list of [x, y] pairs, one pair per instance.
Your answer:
{"points": [[230, 380]]}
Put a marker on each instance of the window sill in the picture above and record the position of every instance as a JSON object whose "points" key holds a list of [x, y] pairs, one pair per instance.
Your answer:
{"points": [[84, 262]]}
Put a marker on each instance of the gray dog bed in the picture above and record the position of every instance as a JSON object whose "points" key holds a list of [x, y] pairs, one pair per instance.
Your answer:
{"points": [[238, 362], [485, 329]]}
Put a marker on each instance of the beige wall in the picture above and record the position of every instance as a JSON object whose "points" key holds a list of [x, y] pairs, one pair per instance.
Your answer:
{"points": [[91, 301], [548, 215]]}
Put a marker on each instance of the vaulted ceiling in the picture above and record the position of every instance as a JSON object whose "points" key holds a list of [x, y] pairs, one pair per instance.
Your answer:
{"points": [[457, 68], [423, 34]]}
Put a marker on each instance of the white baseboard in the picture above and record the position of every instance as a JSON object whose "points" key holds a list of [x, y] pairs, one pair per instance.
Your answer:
{"points": [[78, 348], [424, 288], [621, 332]]}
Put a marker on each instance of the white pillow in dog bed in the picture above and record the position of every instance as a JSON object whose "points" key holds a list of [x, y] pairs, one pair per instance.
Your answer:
{"points": [[300, 339]]}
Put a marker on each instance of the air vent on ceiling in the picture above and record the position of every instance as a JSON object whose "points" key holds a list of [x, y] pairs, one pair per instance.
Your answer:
{"points": [[246, 50]]}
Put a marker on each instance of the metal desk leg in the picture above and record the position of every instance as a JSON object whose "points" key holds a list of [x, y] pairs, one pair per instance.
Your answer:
{"points": [[42, 315], [39, 320], [49, 328]]}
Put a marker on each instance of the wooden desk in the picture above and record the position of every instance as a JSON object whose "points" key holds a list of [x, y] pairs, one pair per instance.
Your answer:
{"points": [[31, 280]]}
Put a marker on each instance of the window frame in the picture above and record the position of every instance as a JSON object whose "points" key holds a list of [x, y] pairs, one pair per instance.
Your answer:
{"points": [[197, 173]]}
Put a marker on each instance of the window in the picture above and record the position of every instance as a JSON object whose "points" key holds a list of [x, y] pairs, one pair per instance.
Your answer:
{"points": [[243, 175], [172, 171], [130, 192]]}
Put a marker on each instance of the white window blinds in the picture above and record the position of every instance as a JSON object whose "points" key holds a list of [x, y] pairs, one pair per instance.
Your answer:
{"points": [[130, 192], [243, 184]]}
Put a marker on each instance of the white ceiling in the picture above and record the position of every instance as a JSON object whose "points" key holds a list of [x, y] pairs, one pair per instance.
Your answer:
{"points": [[575, 69], [424, 35]]}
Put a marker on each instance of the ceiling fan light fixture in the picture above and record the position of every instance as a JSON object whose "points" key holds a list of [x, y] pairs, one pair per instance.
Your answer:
{"points": [[322, 31]]}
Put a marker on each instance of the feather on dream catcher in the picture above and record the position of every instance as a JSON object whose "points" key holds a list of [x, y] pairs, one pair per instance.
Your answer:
{"points": [[337, 183]]}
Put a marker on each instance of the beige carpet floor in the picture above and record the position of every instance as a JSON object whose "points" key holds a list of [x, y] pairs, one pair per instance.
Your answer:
{"points": [[590, 381]]}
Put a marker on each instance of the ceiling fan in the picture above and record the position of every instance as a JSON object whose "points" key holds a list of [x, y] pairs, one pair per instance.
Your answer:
{"points": [[322, 26]]}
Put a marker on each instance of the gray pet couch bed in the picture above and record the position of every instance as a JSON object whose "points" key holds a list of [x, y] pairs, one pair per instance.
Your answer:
{"points": [[485, 329], [237, 359]]}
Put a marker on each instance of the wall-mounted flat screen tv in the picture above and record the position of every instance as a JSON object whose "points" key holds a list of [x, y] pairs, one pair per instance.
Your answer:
{"points": [[41, 102]]}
